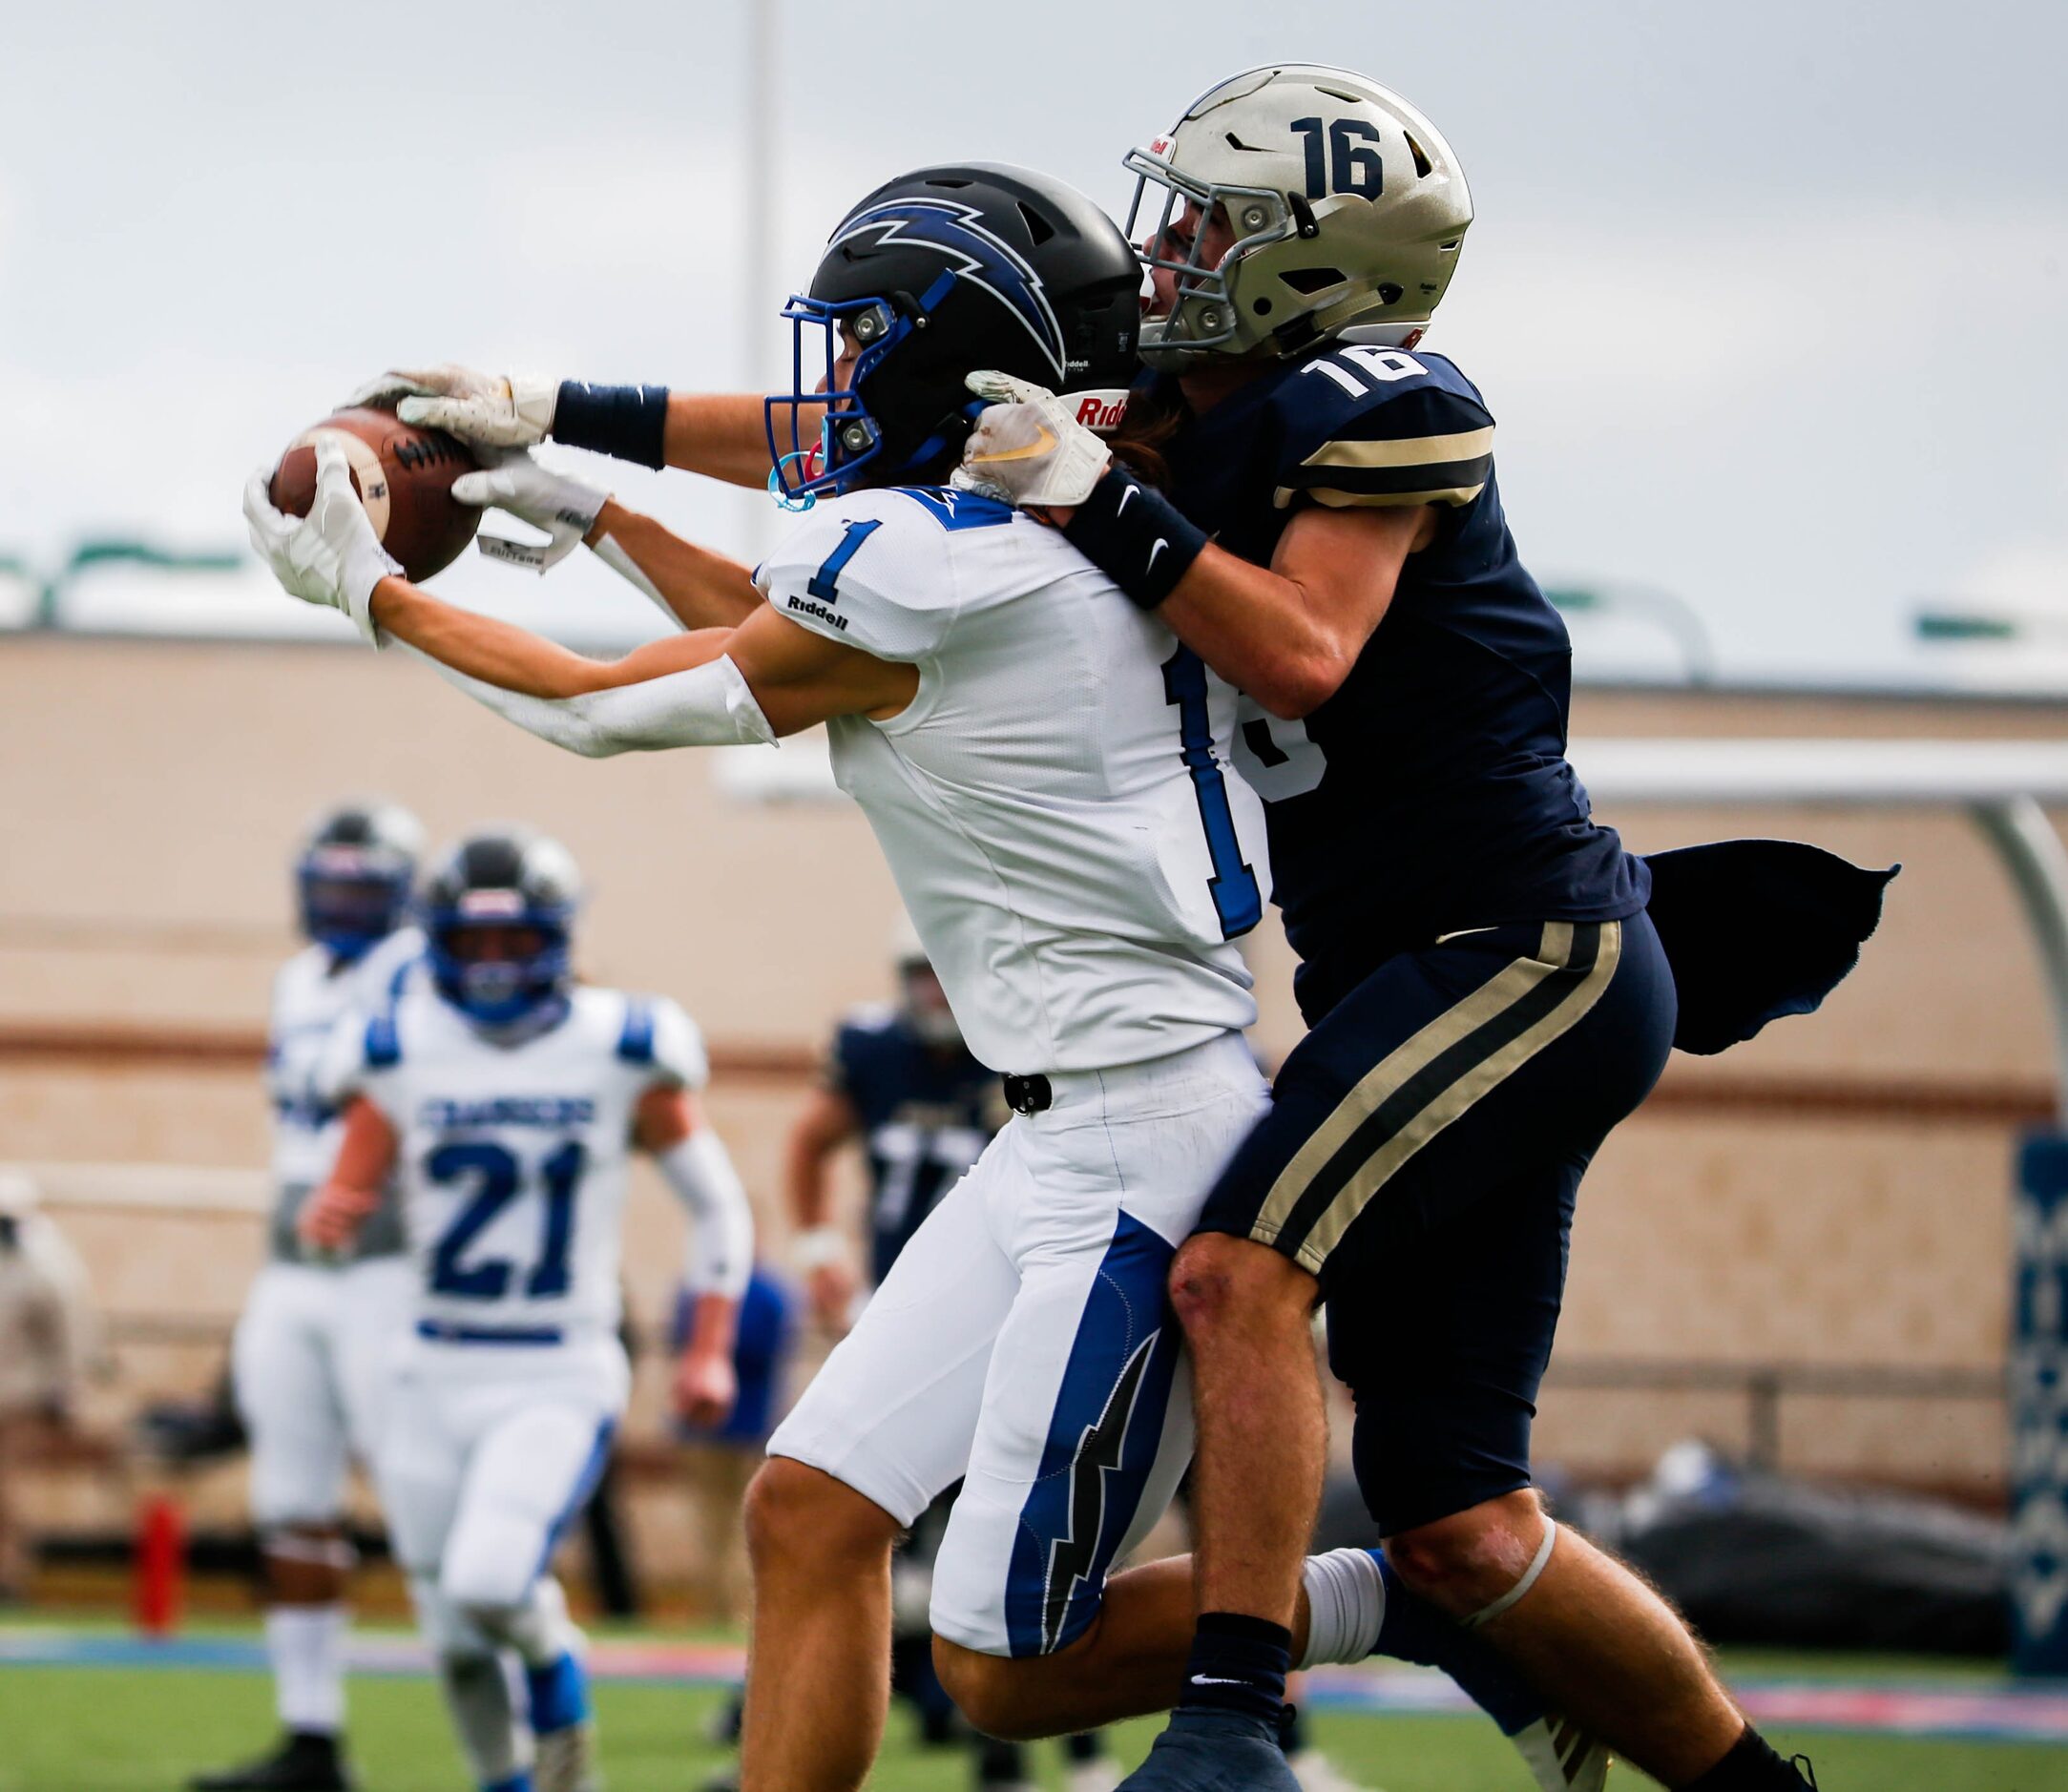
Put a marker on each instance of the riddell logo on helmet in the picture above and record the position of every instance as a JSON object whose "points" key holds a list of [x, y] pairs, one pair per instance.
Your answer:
{"points": [[1101, 410]]}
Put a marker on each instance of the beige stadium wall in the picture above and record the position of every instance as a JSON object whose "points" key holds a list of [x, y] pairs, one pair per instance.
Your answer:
{"points": [[1834, 1195]]}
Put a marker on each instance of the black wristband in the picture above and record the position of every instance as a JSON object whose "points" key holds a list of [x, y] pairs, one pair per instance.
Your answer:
{"points": [[629, 423], [1136, 536]]}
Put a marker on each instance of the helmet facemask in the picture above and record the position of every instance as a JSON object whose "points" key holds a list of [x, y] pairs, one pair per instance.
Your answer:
{"points": [[499, 921], [499, 962], [350, 901], [820, 440], [1202, 317], [354, 875]]}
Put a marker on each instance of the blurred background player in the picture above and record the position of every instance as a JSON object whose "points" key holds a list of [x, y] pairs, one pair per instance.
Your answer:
{"points": [[47, 1340], [507, 1100], [901, 1081], [725, 1454], [316, 1331]]}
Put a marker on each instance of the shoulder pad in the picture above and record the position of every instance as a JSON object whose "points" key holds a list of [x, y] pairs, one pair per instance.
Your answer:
{"points": [[383, 1047], [1367, 426], [869, 570], [636, 1037], [658, 1032]]}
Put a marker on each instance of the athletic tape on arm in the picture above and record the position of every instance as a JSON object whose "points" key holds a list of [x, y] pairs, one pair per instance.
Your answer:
{"points": [[707, 705], [721, 1232]]}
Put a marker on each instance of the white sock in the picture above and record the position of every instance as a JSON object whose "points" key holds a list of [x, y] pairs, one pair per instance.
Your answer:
{"points": [[307, 1645], [485, 1715], [1345, 1602]]}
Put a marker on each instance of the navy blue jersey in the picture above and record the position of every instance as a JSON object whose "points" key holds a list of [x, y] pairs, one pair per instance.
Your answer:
{"points": [[925, 1116], [1431, 793]]}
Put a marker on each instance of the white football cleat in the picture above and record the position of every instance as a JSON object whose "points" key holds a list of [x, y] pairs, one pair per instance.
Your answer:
{"points": [[1562, 1756], [1317, 1773], [1091, 1776]]}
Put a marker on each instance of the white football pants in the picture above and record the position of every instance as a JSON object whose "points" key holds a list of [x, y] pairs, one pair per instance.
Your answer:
{"points": [[1023, 1343]]}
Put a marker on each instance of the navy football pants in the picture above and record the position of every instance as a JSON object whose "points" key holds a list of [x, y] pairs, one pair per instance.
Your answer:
{"points": [[1422, 1156]]}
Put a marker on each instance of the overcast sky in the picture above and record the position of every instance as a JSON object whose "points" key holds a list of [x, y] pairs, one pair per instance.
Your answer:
{"points": [[1770, 301]]}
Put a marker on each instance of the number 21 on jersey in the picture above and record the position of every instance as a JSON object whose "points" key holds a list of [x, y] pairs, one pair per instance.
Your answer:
{"points": [[497, 1180]]}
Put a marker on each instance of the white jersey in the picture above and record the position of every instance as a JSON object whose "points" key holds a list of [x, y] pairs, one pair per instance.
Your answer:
{"points": [[513, 1157], [1055, 803], [313, 995]]}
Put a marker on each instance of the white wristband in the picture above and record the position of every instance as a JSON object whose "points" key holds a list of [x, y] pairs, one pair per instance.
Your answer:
{"points": [[817, 1247]]}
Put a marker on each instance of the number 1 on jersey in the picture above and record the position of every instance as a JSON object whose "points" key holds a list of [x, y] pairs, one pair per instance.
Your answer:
{"points": [[1237, 899]]}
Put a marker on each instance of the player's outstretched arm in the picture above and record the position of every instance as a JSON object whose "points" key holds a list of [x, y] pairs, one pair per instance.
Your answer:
{"points": [[718, 435], [330, 1218], [723, 435], [1287, 633], [693, 1161], [701, 589], [715, 687]]}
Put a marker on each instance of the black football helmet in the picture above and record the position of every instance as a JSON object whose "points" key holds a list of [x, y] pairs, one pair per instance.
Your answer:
{"points": [[931, 277], [353, 874], [510, 881]]}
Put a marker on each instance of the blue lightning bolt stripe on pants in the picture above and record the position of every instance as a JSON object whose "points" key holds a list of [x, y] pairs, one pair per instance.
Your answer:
{"points": [[1022, 1345]]}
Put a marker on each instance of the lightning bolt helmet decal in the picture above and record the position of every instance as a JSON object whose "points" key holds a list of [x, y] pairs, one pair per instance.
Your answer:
{"points": [[972, 253]]}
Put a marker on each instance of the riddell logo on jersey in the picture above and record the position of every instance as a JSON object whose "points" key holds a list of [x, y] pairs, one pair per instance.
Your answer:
{"points": [[820, 611], [1101, 410]]}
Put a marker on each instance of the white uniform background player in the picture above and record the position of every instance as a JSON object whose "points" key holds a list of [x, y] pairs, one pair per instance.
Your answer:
{"points": [[511, 1143], [315, 1335], [311, 1345]]}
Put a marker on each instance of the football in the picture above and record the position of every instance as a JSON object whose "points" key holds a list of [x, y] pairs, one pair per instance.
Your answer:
{"points": [[403, 476]]}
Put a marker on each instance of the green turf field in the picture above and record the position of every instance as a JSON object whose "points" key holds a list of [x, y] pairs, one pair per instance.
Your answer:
{"points": [[122, 1730]]}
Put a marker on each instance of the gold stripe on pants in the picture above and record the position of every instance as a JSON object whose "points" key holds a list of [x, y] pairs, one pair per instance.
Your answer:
{"points": [[1479, 1010]]}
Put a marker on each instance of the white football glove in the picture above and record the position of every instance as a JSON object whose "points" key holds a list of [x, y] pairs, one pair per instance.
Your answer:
{"points": [[1028, 446], [487, 410], [564, 508], [331, 556]]}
